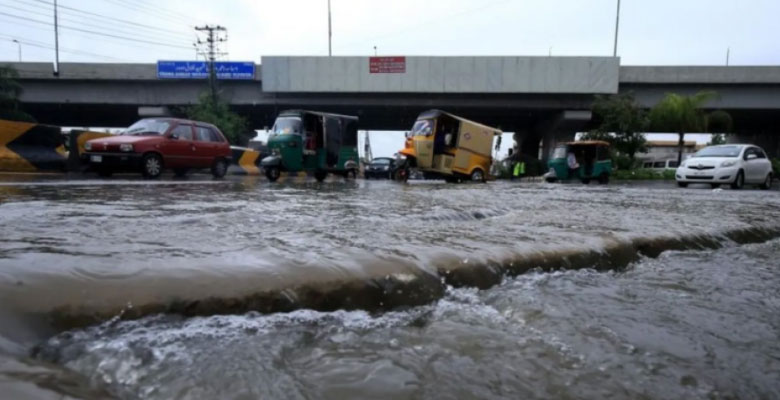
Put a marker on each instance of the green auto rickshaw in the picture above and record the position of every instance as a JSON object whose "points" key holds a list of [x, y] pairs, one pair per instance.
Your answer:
{"points": [[312, 141], [584, 161]]}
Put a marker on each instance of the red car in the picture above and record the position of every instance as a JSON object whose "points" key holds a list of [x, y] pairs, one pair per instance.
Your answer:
{"points": [[153, 144]]}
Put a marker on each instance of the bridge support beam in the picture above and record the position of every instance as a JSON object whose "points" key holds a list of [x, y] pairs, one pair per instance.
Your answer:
{"points": [[561, 128]]}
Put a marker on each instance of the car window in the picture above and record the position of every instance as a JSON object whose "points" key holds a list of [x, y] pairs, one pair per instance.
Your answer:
{"points": [[758, 152], [216, 136], [184, 132], [203, 134], [748, 152], [659, 164]]}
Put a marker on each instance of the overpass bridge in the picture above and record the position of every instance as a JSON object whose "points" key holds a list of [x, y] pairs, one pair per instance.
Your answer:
{"points": [[539, 98]]}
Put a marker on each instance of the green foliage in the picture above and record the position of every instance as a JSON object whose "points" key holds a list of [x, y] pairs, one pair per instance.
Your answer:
{"points": [[623, 123], [681, 114], [776, 167], [716, 139], [643, 175], [217, 112], [719, 121], [10, 90], [623, 162]]}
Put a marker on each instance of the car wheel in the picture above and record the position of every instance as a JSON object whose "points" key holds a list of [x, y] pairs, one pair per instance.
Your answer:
{"points": [[105, 172], [477, 175], [603, 179], [739, 181], [715, 185], [152, 165], [180, 172], [451, 179], [272, 173], [767, 183], [320, 175], [682, 184], [219, 169]]}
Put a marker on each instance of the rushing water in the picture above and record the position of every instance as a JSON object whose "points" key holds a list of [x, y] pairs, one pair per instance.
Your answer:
{"points": [[687, 324]]}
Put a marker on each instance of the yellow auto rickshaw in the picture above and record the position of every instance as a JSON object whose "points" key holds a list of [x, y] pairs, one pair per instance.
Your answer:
{"points": [[443, 145]]}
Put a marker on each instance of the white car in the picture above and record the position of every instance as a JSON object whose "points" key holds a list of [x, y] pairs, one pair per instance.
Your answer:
{"points": [[734, 164]]}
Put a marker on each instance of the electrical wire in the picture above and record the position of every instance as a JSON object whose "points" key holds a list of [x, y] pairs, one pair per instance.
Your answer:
{"points": [[142, 35], [75, 11], [155, 43]]}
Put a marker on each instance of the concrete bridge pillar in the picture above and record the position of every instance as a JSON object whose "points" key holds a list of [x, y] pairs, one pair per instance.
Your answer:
{"points": [[560, 128]]}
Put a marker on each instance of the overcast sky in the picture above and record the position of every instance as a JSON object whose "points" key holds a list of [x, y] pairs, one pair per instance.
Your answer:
{"points": [[657, 32]]}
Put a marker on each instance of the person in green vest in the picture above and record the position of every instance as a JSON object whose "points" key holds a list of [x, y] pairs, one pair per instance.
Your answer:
{"points": [[519, 170], [518, 166]]}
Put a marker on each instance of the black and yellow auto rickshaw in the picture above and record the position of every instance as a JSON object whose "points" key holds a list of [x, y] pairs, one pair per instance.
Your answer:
{"points": [[312, 141], [446, 146], [583, 161]]}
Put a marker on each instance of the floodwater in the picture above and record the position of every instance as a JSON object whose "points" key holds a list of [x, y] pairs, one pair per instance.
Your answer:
{"points": [[242, 289]]}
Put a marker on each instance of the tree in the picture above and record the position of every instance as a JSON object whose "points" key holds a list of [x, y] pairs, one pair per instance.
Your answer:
{"points": [[681, 114], [10, 90], [215, 111], [623, 123], [716, 139]]}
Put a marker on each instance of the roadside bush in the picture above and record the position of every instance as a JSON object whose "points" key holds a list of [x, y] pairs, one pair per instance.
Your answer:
{"points": [[623, 162], [776, 167]]}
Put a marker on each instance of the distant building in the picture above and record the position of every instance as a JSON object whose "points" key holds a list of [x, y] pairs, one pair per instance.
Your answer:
{"points": [[664, 152]]}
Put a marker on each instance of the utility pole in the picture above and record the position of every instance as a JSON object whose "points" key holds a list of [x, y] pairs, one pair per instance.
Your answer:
{"points": [[330, 33], [56, 43], [212, 42], [728, 55], [617, 29], [20, 49]]}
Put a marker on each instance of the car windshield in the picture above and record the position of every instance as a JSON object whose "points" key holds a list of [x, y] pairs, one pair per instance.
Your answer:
{"points": [[423, 127], [719, 151], [148, 127], [381, 161], [287, 126]]}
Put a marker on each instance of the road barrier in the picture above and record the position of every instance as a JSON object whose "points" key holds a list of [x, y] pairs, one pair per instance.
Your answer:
{"points": [[245, 161], [76, 140], [31, 147]]}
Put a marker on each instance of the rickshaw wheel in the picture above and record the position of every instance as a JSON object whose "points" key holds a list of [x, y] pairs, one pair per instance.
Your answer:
{"points": [[350, 174], [477, 175], [320, 175], [401, 175], [272, 173], [585, 181], [603, 179]]}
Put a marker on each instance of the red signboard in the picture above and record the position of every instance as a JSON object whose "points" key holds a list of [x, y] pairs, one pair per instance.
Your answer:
{"points": [[387, 65]]}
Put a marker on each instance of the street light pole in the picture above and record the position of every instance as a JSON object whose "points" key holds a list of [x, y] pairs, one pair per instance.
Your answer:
{"points": [[20, 49], [330, 33], [617, 29], [56, 43]]}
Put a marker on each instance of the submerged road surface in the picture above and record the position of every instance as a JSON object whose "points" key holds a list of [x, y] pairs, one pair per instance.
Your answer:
{"points": [[244, 289]]}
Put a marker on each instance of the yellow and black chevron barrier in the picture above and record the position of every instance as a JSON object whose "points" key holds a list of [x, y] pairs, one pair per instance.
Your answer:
{"points": [[245, 161], [31, 147]]}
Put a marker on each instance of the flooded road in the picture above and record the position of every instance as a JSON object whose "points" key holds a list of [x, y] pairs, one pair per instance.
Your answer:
{"points": [[368, 290]]}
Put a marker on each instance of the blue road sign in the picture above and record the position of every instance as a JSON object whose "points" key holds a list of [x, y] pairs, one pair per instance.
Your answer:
{"points": [[200, 70]]}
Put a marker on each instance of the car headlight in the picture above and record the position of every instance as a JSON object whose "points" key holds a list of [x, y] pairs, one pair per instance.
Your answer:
{"points": [[728, 164], [88, 146], [126, 147], [385, 168]]}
